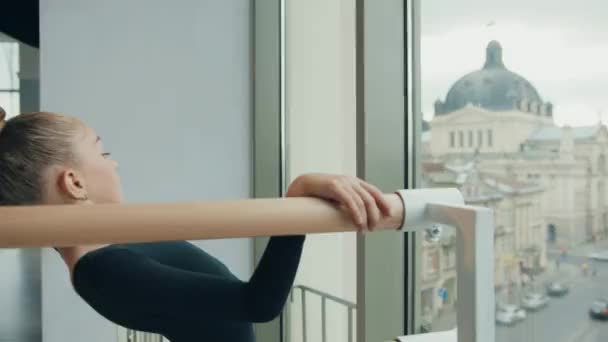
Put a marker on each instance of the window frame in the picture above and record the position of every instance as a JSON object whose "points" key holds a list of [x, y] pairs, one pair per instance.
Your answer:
{"points": [[382, 29]]}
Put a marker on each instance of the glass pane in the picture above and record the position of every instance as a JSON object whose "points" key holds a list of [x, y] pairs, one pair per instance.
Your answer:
{"points": [[9, 101], [9, 80], [321, 137], [20, 284], [514, 104], [9, 65]]}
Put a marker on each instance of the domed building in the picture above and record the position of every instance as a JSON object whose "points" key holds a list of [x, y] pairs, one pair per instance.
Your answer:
{"points": [[495, 88], [495, 139], [491, 110]]}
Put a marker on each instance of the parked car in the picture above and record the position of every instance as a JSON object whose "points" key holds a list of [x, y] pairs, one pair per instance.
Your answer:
{"points": [[509, 314], [599, 309], [600, 256], [557, 289], [534, 301]]}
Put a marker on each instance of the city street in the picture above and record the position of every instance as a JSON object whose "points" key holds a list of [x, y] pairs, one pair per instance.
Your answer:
{"points": [[565, 319]]}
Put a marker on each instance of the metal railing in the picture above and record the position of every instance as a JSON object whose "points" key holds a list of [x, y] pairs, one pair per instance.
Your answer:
{"points": [[325, 297], [129, 335]]}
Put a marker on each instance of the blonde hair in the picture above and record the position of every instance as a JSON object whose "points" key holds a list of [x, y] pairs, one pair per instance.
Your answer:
{"points": [[29, 145]]}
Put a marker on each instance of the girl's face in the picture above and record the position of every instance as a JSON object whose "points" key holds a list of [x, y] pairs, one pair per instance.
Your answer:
{"points": [[99, 172]]}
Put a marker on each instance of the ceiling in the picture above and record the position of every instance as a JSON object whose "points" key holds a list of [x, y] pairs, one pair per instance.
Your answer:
{"points": [[19, 21]]}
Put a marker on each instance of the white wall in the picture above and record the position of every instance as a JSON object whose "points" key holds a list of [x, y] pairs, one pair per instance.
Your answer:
{"points": [[167, 86], [320, 87]]}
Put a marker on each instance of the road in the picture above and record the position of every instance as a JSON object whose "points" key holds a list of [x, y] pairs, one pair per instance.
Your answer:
{"points": [[565, 319]]}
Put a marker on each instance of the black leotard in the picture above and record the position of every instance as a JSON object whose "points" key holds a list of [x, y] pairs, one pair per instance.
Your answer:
{"points": [[177, 290]]}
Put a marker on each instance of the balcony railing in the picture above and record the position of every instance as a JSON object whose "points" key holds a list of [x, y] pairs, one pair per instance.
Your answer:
{"points": [[128, 335], [349, 310]]}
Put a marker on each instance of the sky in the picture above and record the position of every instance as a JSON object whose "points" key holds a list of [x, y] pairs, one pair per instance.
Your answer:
{"points": [[560, 46]]}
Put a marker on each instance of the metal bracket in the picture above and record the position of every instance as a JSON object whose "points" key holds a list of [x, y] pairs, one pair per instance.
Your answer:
{"points": [[474, 255]]}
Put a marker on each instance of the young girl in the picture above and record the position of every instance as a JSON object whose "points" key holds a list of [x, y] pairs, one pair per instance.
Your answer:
{"points": [[171, 288]]}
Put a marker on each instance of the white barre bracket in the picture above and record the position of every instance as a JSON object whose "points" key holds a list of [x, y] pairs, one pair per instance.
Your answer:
{"points": [[474, 260]]}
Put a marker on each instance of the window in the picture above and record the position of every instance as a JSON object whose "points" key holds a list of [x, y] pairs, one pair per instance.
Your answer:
{"points": [[9, 80], [452, 139], [431, 262], [460, 138], [489, 138], [463, 43]]}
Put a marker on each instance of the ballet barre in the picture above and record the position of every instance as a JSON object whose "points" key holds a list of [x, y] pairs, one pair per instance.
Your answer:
{"points": [[411, 210]]}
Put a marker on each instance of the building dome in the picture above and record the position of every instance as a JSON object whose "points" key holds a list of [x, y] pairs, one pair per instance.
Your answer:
{"points": [[493, 87]]}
